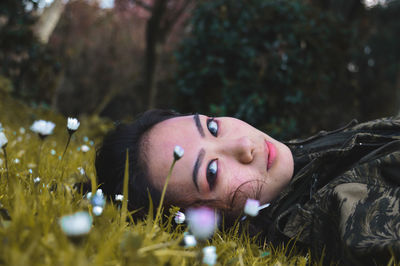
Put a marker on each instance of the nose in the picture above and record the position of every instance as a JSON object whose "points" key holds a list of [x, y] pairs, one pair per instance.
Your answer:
{"points": [[241, 148]]}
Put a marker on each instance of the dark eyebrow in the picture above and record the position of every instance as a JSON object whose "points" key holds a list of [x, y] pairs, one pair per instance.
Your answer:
{"points": [[197, 165], [198, 125]]}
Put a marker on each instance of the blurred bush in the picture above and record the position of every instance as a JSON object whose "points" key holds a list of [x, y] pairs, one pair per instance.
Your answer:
{"points": [[6, 86], [287, 66], [29, 65]]}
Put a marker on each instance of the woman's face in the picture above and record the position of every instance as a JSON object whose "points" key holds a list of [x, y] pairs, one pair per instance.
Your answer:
{"points": [[223, 157]]}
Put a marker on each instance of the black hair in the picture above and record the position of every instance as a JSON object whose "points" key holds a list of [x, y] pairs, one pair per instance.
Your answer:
{"points": [[111, 156]]}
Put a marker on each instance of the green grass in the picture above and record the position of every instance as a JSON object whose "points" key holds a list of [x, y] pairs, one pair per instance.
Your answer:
{"points": [[30, 233]]}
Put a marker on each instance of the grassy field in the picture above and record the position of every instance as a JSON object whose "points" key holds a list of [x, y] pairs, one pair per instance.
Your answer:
{"points": [[30, 231]]}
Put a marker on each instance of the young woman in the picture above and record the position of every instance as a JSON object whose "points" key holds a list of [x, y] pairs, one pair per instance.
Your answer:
{"points": [[336, 192]]}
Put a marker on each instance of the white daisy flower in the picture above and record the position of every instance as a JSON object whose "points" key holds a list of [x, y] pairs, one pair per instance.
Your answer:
{"points": [[85, 148], [42, 127], [179, 217], [73, 124], [36, 180], [189, 240], [98, 202], [81, 170], [178, 152], [209, 255], [119, 197], [202, 222], [88, 195], [97, 210], [251, 207], [76, 224], [99, 192], [3, 139]]}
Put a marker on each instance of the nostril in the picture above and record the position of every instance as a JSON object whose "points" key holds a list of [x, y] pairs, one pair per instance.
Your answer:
{"points": [[252, 150], [247, 150], [244, 149]]}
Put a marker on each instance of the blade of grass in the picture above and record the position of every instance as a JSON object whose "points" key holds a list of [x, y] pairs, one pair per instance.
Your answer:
{"points": [[125, 190], [171, 252], [155, 247], [93, 182], [149, 219], [162, 196]]}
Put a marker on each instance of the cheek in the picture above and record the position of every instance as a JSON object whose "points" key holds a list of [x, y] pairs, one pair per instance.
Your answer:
{"points": [[240, 189], [180, 194], [243, 183], [241, 127]]}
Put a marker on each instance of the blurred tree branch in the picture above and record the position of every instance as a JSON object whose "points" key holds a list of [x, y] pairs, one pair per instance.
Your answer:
{"points": [[164, 15], [48, 20], [143, 5]]}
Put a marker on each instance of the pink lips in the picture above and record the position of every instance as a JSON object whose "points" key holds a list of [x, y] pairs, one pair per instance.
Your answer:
{"points": [[270, 153]]}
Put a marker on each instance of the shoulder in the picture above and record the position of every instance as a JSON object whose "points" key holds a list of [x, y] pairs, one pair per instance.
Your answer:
{"points": [[385, 123], [382, 130]]}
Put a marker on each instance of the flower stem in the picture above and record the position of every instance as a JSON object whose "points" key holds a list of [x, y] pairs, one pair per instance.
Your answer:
{"points": [[163, 194], [62, 158], [66, 146], [40, 152]]}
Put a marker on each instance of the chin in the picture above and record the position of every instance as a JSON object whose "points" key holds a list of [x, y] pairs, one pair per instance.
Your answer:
{"points": [[285, 165], [280, 174]]}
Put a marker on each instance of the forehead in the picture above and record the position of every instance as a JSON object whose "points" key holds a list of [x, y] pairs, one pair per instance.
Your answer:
{"points": [[161, 140]]}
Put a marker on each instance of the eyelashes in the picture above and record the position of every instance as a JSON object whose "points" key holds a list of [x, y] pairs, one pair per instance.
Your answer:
{"points": [[212, 167], [212, 126], [212, 172]]}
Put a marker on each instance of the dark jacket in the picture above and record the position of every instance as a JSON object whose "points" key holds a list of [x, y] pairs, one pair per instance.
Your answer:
{"points": [[343, 201]]}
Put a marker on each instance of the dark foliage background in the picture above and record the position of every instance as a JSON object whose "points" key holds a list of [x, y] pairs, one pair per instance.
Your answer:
{"points": [[289, 67]]}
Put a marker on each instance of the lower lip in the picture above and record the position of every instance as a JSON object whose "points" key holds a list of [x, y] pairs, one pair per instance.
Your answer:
{"points": [[271, 150]]}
